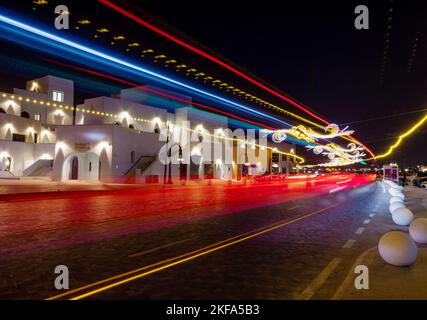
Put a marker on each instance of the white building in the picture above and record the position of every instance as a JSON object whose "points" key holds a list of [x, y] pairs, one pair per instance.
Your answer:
{"points": [[120, 138]]}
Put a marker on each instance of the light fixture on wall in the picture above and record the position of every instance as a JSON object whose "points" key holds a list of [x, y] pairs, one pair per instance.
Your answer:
{"points": [[34, 86]]}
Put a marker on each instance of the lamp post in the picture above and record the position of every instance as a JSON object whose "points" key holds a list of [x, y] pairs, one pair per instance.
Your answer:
{"points": [[166, 155], [170, 166]]}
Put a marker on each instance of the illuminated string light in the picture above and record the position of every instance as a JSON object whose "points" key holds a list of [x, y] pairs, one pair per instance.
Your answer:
{"points": [[401, 137], [309, 135], [208, 56], [142, 120], [131, 67], [217, 61]]}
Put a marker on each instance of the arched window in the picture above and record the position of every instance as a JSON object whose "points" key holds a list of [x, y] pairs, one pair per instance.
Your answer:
{"points": [[25, 114], [132, 156], [2, 110], [131, 126], [156, 128], [116, 123]]}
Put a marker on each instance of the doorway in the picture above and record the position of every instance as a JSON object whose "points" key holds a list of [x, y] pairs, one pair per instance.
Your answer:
{"points": [[74, 172]]}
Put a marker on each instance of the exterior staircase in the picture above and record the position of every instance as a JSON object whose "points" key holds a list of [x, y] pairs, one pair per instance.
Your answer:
{"points": [[39, 168], [142, 163]]}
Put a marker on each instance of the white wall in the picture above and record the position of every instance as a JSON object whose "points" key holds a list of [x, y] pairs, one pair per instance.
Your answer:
{"points": [[99, 140], [23, 154], [10, 106], [125, 110], [10, 124]]}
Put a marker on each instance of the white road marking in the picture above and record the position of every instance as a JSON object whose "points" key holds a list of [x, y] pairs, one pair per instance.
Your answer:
{"points": [[294, 207], [360, 230], [366, 221], [349, 244], [372, 215], [157, 248], [350, 276], [382, 185], [319, 280]]}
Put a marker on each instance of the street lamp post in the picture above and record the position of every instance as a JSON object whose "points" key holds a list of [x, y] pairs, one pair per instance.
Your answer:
{"points": [[170, 166], [166, 155]]}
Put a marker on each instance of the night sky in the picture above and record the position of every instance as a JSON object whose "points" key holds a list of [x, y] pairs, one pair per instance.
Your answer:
{"points": [[309, 50]]}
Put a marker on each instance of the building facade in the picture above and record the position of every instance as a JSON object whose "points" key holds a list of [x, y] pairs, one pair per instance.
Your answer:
{"points": [[141, 135]]}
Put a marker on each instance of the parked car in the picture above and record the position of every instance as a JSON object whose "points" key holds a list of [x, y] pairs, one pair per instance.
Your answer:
{"points": [[423, 185], [418, 181]]}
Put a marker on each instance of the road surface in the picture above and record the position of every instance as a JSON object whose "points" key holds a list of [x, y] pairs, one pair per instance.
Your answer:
{"points": [[268, 241]]}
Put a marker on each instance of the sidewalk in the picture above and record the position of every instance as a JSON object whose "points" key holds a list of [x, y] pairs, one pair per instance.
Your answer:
{"points": [[387, 282]]}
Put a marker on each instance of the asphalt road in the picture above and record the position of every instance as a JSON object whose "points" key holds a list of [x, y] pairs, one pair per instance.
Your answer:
{"points": [[293, 248]]}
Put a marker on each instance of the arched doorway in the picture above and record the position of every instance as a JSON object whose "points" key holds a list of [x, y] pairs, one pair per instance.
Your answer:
{"points": [[8, 164], [74, 170], [25, 114]]}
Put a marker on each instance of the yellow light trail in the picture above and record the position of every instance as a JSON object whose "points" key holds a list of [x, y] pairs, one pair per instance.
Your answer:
{"points": [[282, 110], [407, 133], [401, 137], [183, 258]]}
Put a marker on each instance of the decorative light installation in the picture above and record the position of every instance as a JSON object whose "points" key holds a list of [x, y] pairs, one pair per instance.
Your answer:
{"points": [[307, 134], [332, 151]]}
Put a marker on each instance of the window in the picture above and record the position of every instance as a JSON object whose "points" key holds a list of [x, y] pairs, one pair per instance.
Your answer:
{"points": [[37, 117], [58, 96], [90, 166], [18, 137], [132, 156], [25, 114], [36, 136], [131, 126]]}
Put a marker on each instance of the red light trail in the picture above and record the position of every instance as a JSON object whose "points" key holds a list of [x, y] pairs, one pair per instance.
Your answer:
{"points": [[150, 208], [209, 57], [219, 62]]}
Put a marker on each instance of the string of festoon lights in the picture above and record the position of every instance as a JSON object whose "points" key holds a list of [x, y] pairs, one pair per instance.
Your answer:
{"points": [[168, 60], [58, 106]]}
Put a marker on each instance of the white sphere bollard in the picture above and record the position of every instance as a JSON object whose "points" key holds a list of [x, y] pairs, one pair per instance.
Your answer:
{"points": [[402, 216], [418, 230], [395, 199], [387, 182], [397, 248], [394, 206], [399, 194], [398, 188]]}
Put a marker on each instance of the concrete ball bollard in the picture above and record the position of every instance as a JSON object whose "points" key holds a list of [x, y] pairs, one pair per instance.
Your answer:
{"points": [[399, 194], [395, 199], [418, 230], [394, 206], [398, 249], [402, 216]]}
